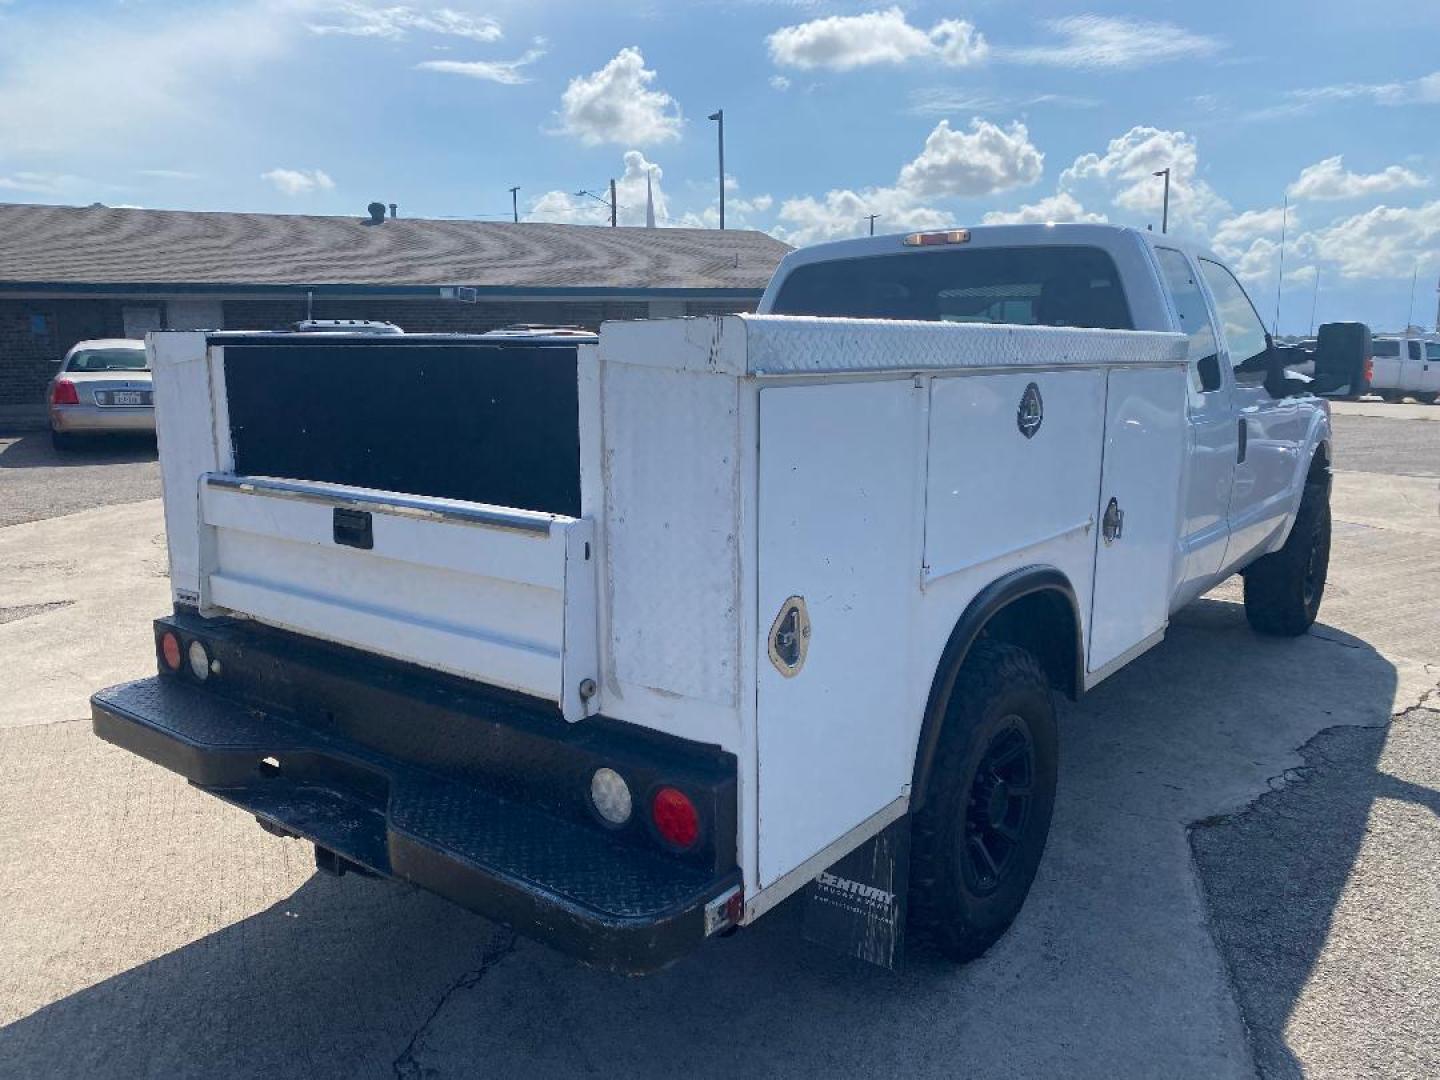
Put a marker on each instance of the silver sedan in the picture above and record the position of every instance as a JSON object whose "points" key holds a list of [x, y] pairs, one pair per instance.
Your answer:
{"points": [[102, 387]]}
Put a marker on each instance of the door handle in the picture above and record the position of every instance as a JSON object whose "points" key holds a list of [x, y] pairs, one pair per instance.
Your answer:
{"points": [[1112, 525], [1243, 440]]}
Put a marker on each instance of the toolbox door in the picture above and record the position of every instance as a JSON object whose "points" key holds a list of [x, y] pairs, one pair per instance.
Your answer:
{"points": [[1139, 510]]}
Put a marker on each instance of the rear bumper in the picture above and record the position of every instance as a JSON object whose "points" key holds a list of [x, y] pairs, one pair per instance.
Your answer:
{"points": [[570, 884], [97, 420]]}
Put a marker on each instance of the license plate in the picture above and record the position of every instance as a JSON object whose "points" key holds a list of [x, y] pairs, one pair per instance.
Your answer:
{"points": [[127, 397]]}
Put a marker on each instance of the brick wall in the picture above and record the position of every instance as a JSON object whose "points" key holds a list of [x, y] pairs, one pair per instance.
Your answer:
{"points": [[36, 333]]}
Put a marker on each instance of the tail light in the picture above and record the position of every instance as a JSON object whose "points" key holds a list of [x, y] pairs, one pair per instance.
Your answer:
{"points": [[1369, 368], [170, 650], [676, 819], [63, 393]]}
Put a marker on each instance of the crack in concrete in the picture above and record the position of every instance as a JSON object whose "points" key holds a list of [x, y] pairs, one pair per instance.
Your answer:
{"points": [[407, 1066]]}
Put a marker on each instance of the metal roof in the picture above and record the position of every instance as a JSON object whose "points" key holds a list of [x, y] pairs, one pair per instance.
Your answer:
{"points": [[69, 247]]}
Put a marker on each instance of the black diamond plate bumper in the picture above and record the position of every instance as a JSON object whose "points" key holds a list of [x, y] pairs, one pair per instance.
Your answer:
{"points": [[570, 885]]}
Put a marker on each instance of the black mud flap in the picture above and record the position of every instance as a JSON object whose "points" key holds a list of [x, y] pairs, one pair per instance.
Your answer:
{"points": [[857, 907]]}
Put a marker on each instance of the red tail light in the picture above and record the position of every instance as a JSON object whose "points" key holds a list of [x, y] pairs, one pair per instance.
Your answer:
{"points": [[1369, 368], [63, 393], [170, 650], [676, 819]]}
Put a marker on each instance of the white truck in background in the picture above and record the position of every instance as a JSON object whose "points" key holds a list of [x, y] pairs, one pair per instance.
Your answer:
{"points": [[625, 643], [1405, 366]]}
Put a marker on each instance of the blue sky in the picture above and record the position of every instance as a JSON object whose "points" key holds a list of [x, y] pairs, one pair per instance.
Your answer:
{"points": [[926, 114]]}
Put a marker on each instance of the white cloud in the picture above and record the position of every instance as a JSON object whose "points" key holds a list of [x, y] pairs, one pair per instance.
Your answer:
{"points": [[843, 213], [946, 100], [1329, 179], [616, 104], [779, 82], [505, 72], [982, 161], [1422, 91], [1094, 42], [358, 19], [844, 42], [169, 174], [1250, 243], [299, 181], [1060, 207], [1125, 174], [1384, 242], [560, 206], [39, 183]]}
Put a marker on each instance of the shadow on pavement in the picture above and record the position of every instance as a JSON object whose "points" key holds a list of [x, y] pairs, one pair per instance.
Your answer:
{"points": [[1110, 970], [33, 450]]}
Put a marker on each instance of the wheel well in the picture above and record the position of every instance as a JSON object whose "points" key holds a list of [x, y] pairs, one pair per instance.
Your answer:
{"points": [[1319, 466], [1033, 608], [1043, 624]]}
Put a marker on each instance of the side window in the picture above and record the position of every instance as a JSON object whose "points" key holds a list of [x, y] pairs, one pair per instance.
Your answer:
{"points": [[1414, 350], [1244, 332], [1194, 318]]}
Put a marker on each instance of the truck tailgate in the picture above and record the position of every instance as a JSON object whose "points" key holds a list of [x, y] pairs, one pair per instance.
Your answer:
{"points": [[498, 595]]}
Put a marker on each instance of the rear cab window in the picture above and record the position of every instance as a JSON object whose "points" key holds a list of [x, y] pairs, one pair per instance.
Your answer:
{"points": [[1381, 347], [1024, 286], [1194, 316]]}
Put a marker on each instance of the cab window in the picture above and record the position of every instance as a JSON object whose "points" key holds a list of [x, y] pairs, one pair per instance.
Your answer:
{"points": [[1414, 347], [1243, 330], [1194, 318]]}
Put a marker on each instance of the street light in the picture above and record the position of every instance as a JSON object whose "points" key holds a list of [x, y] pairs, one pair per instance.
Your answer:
{"points": [[719, 116], [610, 202], [871, 218], [1165, 213], [515, 205]]}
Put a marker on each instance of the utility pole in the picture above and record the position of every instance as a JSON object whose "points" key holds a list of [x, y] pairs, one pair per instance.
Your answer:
{"points": [[1314, 298], [719, 116], [1280, 281], [515, 204], [614, 206], [1410, 315], [871, 218], [1165, 213]]}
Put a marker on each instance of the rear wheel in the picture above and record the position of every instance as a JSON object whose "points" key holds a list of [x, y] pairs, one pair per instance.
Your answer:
{"points": [[977, 841], [1283, 590], [1426, 398]]}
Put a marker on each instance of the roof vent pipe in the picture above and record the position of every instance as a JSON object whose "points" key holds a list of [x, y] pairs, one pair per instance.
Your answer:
{"points": [[392, 209], [377, 213]]}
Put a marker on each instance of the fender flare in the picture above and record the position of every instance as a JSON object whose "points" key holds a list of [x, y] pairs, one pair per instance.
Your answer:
{"points": [[1317, 440], [989, 601]]}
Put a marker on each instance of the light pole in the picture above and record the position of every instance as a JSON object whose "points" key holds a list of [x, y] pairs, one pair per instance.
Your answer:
{"points": [[871, 218], [719, 117], [1165, 213], [610, 202], [515, 204]]}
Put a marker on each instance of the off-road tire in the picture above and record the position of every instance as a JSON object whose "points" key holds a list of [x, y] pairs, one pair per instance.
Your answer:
{"points": [[999, 692], [1427, 398], [1283, 590]]}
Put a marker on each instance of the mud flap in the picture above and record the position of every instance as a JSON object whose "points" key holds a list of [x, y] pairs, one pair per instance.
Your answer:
{"points": [[857, 907]]}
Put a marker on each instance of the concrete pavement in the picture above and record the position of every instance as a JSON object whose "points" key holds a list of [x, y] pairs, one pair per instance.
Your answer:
{"points": [[150, 930]]}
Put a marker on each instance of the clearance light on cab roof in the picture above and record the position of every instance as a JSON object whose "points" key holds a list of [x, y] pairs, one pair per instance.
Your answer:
{"points": [[947, 236]]}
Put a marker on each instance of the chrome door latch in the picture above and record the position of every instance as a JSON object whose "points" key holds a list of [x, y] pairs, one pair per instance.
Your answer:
{"points": [[1112, 525], [790, 637]]}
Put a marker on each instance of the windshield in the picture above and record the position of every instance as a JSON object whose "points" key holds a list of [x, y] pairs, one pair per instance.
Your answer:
{"points": [[116, 359], [1028, 286], [1386, 348]]}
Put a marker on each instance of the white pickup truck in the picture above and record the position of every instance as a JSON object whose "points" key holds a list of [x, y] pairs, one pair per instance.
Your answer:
{"points": [[1405, 366], [623, 643]]}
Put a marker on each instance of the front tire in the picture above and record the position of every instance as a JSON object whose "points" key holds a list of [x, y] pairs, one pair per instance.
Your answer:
{"points": [[1283, 590], [977, 840]]}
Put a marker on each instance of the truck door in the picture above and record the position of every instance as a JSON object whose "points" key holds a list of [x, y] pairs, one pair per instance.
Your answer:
{"points": [[1213, 436], [1413, 366], [1269, 431]]}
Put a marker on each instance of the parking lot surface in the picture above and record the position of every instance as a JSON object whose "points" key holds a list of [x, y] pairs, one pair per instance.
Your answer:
{"points": [[1242, 875]]}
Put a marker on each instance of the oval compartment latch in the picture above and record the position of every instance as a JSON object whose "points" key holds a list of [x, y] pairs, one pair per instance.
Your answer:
{"points": [[790, 637]]}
